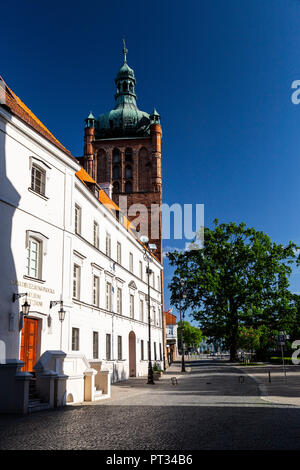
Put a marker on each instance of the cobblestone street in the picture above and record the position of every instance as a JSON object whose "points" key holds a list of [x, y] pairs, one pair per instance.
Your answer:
{"points": [[210, 408]]}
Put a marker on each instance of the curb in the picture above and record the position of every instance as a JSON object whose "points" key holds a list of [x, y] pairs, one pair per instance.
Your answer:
{"points": [[263, 389]]}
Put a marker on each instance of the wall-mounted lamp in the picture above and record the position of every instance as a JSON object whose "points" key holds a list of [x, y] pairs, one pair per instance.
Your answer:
{"points": [[61, 315], [25, 306]]}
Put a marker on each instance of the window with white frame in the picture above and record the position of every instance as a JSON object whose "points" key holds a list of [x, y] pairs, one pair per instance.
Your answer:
{"points": [[77, 219], [34, 258], [96, 284], [120, 348], [76, 281], [154, 316], [142, 349], [108, 245], [119, 300], [38, 179], [75, 339], [96, 234], [95, 345], [131, 306], [141, 310], [108, 296], [131, 262], [119, 253], [108, 347]]}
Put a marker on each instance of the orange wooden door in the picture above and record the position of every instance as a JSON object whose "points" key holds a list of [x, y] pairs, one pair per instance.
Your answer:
{"points": [[28, 344]]}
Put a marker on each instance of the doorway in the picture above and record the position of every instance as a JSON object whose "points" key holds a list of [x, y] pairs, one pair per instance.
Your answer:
{"points": [[132, 354], [28, 349]]}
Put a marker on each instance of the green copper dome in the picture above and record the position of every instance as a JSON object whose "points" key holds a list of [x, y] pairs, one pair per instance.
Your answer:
{"points": [[125, 71], [125, 119]]}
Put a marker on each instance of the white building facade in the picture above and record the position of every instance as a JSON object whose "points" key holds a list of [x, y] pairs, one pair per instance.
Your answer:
{"points": [[61, 243]]}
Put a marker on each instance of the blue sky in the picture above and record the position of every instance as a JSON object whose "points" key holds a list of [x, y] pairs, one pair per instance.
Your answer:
{"points": [[218, 71]]}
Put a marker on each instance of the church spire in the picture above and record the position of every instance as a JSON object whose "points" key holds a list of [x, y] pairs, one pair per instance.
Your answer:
{"points": [[125, 51]]}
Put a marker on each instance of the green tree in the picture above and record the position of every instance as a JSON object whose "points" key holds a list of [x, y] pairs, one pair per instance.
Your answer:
{"points": [[192, 336], [239, 277]]}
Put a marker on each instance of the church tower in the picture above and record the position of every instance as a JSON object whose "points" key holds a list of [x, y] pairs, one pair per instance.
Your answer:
{"points": [[122, 153]]}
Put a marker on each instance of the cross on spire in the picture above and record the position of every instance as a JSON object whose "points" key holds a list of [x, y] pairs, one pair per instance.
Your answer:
{"points": [[124, 51]]}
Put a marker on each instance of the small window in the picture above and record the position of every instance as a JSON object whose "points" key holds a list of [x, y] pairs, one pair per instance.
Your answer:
{"points": [[128, 155], [131, 262], [75, 339], [119, 300], [119, 253], [108, 245], [116, 172], [38, 179], [77, 219], [116, 156], [160, 353], [142, 349], [108, 296], [95, 345], [34, 258], [119, 348], [141, 270], [141, 310], [128, 187], [131, 306], [108, 347], [128, 172], [155, 357], [96, 234], [96, 291], [76, 282]]}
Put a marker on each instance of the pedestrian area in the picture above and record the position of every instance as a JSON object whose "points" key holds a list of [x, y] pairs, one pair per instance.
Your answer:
{"points": [[276, 384]]}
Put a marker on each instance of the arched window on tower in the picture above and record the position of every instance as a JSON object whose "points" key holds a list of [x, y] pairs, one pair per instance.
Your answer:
{"points": [[128, 187], [116, 187], [128, 172], [116, 172], [116, 155], [144, 170], [128, 154], [125, 86], [101, 166]]}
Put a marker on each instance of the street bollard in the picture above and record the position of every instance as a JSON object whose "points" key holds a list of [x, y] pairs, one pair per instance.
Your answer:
{"points": [[269, 376]]}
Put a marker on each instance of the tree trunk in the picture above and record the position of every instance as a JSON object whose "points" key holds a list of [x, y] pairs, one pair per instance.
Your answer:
{"points": [[233, 353], [234, 328]]}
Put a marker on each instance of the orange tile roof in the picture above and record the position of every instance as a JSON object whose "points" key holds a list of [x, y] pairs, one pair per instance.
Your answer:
{"points": [[170, 318], [103, 197], [18, 108]]}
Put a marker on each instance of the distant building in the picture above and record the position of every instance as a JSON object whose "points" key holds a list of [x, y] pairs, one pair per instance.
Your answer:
{"points": [[171, 336]]}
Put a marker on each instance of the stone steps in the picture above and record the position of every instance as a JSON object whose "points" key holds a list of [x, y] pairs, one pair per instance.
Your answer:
{"points": [[36, 405]]}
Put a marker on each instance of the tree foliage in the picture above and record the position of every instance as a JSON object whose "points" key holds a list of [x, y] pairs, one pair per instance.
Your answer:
{"points": [[192, 336], [239, 278]]}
